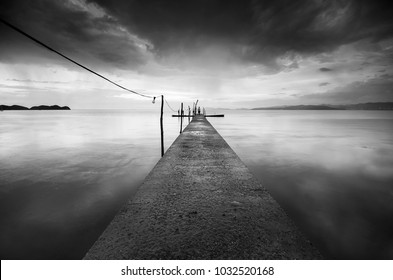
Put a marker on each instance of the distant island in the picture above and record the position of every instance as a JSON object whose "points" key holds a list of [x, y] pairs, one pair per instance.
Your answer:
{"points": [[360, 106], [40, 107]]}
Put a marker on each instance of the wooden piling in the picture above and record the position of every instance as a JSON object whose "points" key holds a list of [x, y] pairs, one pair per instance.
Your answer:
{"points": [[162, 125], [181, 117]]}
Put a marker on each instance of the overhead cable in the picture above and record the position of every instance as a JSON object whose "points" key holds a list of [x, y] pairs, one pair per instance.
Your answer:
{"points": [[169, 105], [73, 61]]}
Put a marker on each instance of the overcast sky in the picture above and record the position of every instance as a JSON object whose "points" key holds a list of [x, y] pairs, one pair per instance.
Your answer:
{"points": [[224, 53]]}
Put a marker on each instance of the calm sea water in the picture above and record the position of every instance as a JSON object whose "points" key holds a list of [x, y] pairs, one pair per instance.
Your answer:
{"points": [[64, 174], [332, 171]]}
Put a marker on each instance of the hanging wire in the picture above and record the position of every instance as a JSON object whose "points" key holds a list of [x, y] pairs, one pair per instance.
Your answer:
{"points": [[169, 106], [73, 61]]}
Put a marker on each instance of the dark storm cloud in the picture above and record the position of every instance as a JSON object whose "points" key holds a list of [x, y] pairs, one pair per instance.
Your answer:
{"points": [[249, 30], [95, 39], [257, 30], [324, 69], [184, 23]]}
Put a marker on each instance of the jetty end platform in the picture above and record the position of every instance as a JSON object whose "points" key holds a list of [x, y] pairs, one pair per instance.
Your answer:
{"points": [[200, 201]]}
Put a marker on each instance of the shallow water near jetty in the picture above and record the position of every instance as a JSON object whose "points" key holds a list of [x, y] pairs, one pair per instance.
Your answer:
{"points": [[64, 174], [332, 171]]}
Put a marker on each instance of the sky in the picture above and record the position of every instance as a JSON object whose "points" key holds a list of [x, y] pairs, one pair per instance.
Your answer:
{"points": [[224, 53]]}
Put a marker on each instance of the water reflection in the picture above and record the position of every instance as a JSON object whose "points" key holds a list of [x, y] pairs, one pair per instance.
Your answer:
{"points": [[331, 171], [63, 175]]}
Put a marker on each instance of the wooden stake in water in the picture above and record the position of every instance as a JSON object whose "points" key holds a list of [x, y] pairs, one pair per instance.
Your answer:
{"points": [[161, 124], [181, 117]]}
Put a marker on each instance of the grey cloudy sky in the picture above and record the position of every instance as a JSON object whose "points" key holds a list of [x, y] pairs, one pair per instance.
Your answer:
{"points": [[224, 53]]}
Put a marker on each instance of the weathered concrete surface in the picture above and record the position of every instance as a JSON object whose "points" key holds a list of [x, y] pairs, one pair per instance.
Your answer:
{"points": [[201, 202]]}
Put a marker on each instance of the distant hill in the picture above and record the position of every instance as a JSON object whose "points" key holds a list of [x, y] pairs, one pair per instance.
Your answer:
{"points": [[298, 107], [360, 106], [53, 107], [368, 106], [12, 107], [41, 107]]}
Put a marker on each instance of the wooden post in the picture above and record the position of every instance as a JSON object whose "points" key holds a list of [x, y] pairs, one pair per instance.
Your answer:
{"points": [[161, 124], [196, 104], [181, 117]]}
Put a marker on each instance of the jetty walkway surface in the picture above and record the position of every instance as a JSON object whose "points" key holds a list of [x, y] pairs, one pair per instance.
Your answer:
{"points": [[200, 201]]}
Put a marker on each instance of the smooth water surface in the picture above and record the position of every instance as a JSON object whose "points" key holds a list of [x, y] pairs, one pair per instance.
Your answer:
{"points": [[332, 171], [64, 174]]}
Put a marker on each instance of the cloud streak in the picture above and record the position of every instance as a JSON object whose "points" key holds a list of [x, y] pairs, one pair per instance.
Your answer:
{"points": [[373, 90], [323, 84]]}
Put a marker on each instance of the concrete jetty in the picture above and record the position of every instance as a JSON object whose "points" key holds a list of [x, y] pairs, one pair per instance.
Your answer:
{"points": [[200, 201]]}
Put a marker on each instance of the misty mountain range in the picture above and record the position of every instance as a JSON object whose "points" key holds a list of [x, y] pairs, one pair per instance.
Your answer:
{"points": [[359, 106]]}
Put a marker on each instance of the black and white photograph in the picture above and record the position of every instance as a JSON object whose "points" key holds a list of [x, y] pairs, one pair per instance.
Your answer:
{"points": [[196, 130]]}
